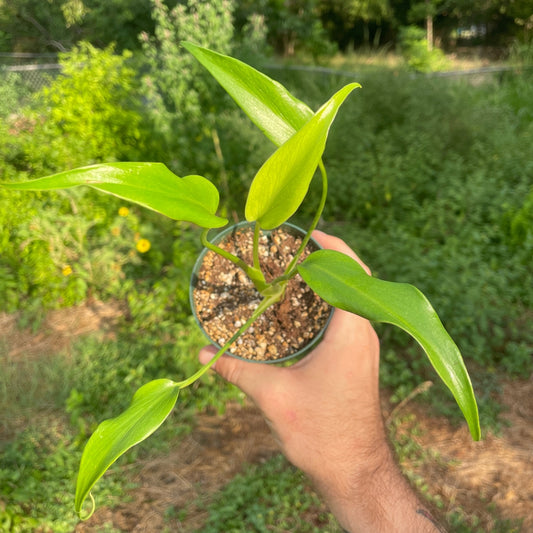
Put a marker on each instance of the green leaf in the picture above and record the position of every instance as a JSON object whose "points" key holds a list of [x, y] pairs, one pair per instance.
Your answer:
{"points": [[150, 406], [192, 198], [269, 105], [343, 283], [282, 182]]}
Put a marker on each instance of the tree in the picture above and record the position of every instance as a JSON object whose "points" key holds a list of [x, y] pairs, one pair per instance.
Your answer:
{"points": [[295, 24], [352, 11], [426, 10], [57, 25], [183, 99], [37, 26], [117, 21]]}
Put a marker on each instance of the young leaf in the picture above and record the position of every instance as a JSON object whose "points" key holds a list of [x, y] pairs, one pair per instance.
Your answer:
{"points": [[269, 105], [281, 184], [343, 283], [192, 198], [150, 406]]}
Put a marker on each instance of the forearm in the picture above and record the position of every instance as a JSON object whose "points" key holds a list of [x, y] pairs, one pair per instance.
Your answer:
{"points": [[379, 501]]}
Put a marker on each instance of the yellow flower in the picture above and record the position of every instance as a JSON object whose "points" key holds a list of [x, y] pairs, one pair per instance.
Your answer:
{"points": [[123, 211], [143, 245], [115, 231], [67, 270]]}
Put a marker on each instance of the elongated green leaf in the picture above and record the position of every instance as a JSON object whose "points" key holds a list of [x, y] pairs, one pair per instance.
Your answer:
{"points": [[282, 182], [343, 283], [269, 105], [192, 198], [150, 406]]}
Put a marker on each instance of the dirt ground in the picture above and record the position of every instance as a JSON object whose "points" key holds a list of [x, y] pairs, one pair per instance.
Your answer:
{"points": [[493, 477]]}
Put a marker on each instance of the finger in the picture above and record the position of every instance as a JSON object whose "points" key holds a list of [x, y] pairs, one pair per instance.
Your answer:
{"points": [[251, 378], [330, 242]]}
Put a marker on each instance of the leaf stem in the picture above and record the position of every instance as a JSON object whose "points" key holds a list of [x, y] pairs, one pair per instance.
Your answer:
{"points": [[257, 233], [261, 308], [253, 273], [224, 253]]}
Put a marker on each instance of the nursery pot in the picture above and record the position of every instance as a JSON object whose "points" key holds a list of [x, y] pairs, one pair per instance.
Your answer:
{"points": [[222, 297]]}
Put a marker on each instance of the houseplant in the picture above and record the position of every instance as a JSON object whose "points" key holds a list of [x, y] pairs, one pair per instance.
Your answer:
{"points": [[276, 193]]}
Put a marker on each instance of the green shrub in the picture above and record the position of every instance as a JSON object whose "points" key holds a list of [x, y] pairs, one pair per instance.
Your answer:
{"points": [[430, 182], [86, 115], [414, 47], [93, 106], [12, 93], [433, 188], [182, 99]]}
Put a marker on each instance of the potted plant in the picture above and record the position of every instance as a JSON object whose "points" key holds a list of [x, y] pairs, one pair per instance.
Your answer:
{"points": [[275, 194]]}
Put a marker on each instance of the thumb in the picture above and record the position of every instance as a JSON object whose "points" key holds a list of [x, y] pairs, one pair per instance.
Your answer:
{"points": [[250, 377]]}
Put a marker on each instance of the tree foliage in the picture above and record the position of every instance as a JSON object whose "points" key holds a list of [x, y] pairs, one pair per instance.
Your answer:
{"points": [[311, 26], [183, 100]]}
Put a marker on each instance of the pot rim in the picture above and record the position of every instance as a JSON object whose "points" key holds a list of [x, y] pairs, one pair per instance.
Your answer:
{"points": [[194, 278]]}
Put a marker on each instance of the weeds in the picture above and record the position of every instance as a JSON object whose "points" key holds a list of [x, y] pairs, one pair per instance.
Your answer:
{"points": [[269, 497]]}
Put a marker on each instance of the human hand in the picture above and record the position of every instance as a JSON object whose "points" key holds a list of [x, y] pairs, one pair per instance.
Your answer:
{"points": [[325, 406], [325, 414]]}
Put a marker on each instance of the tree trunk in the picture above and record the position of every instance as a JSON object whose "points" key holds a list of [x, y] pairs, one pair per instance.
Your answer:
{"points": [[429, 31]]}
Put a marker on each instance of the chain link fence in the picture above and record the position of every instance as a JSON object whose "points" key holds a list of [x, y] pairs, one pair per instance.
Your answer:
{"points": [[32, 71], [34, 77]]}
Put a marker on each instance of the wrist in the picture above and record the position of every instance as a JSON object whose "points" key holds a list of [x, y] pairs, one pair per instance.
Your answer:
{"points": [[377, 498]]}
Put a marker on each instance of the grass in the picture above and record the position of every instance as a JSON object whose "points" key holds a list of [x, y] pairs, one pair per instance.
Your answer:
{"points": [[39, 463], [273, 496], [426, 470], [50, 404]]}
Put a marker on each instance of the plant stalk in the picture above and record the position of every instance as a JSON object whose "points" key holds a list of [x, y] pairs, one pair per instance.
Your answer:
{"points": [[257, 233], [253, 273], [261, 308]]}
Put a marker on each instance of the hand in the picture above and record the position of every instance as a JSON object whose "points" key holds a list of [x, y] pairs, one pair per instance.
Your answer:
{"points": [[325, 413]]}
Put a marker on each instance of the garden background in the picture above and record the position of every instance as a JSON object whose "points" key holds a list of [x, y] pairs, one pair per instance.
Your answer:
{"points": [[431, 182]]}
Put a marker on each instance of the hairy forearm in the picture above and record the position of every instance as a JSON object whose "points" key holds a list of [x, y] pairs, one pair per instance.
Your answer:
{"points": [[379, 501]]}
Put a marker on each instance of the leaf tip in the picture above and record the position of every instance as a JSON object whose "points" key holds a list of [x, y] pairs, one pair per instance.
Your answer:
{"points": [[79, 510]]}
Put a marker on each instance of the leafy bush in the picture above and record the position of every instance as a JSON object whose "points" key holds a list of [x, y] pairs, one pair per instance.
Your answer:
{"points": [[414, 47], [183, 101], [87, 115], [12, 92], [431, 183], [91, 104], [521, 50], [194, 124], [433, 189]]}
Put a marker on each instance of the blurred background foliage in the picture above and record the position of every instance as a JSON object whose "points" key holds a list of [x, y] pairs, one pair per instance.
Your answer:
{"points": [[431, 181]]}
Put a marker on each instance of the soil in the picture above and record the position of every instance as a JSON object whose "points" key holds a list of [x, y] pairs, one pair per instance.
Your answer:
{"points": [[483, 479], [225, 298]]}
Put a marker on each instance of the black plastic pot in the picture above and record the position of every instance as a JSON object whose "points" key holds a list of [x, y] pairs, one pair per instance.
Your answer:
{"points": [[226, 234]]}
